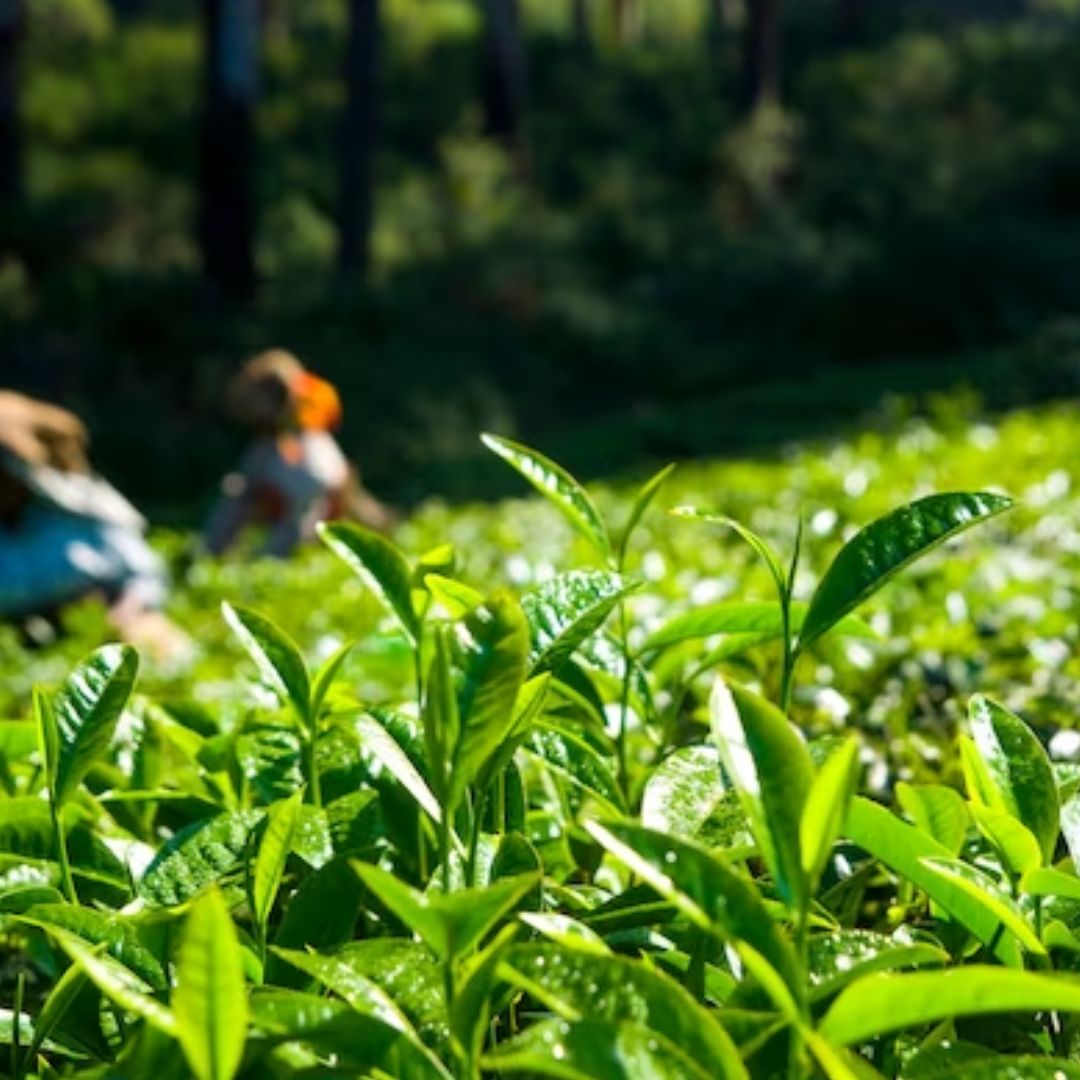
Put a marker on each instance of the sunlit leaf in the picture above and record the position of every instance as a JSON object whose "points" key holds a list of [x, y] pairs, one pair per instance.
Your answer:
{"points": [[770, 767], [557, 486], [275, 655], [1019, 769], [210, 999], [381, 567], [889, 1002], [86, 710], [877, 553]]}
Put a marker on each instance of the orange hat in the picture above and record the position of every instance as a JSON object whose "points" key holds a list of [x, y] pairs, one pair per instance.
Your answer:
{"points": [[318, 406]]}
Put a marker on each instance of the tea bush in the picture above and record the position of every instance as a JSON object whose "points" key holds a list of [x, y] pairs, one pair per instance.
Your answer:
{"points": [[575, 787]]}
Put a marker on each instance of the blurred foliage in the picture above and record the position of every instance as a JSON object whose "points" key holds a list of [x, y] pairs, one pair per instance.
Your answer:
{"points": [[908, 219]]}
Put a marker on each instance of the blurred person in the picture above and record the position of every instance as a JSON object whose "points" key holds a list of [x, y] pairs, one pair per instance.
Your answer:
{"points": [[67, 534], [293, 474]]}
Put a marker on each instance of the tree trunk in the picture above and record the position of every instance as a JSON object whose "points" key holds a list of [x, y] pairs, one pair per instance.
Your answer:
{"points": [[625, 16], [504, 73], [579, 21], [11, 31], [358, 138], [761, 61], [850, 22], [227, 212]]}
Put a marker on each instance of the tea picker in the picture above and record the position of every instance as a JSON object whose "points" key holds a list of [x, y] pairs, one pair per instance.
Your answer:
{"points": [[293, 474], [67, 534]]}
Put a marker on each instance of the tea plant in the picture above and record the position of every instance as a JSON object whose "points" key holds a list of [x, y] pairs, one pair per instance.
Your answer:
{"points": [[546, 855]]}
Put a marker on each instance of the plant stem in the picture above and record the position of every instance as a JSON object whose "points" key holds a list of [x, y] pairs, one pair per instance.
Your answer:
{"points": [[474, 840], [311, 767], [67, 882], [624, 703]]}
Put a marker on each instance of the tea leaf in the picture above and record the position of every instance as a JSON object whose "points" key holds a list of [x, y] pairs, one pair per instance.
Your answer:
{"points": [[826, 808], [578, 985], [888, 1002], [557, 486], [275, 655], [86, 710], [210, 999], [1018, 768], [277, 842], [566, 611], [198, 856], [381, 567], [877, 553], [770, 767], [451, 924], [592, 1050]]}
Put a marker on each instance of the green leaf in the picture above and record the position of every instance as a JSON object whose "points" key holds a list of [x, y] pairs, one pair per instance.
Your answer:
{"points": [[704, 889], [210, 1001], [410, 975], [321, 915], [325, 676], [557, 486], [114, 933], [1019, 770], [275, 655], [577, 985], [61, 997], [770, 766], [339, 975], [905, 850], [768, 556], [494, 643], [383, 746], [198, 856], [987, 893], [937, 810], [27, 837], [1016, 845], [877, 553], [990, 1066], [837, 959], [118, 983], [458, 598], [683, 791], [566, 611], [565, 931], [889, 1002], [380, 565], [763, 620], [574, 760], [1044, 881], [336, 974], [449, 924], [442, 721], [86, 710], [470, 1011], [826, 808], [328, 1027], [642, 501], [274, 848], [592, 1050]]}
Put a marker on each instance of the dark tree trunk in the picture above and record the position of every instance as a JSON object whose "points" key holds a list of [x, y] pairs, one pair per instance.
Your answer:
{"points": [[504, 72], [625, 14], [761, 57], [579, 20], [11, 31], [359, 132], [850, 22], [227, 212]]}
